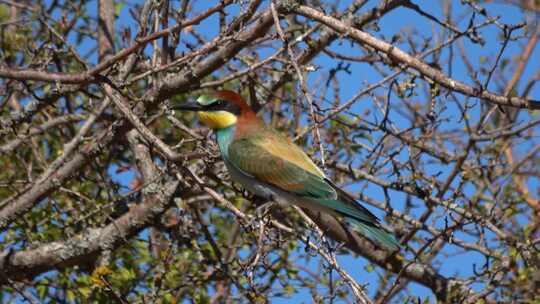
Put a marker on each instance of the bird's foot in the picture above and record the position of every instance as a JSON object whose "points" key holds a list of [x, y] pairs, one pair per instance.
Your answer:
{"points": [[263, 209], [261, 214]]}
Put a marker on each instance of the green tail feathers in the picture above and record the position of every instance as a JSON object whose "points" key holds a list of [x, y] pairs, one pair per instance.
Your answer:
{"points": [[362, 221], [376, 234]]}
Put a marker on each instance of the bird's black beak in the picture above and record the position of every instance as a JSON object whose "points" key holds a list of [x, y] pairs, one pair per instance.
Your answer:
{"points": [[188, 106]]}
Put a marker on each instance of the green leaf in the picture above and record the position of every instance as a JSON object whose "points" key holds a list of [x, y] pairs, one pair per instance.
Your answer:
{"points": [[369, 268], [42, 291], [118, 6]]}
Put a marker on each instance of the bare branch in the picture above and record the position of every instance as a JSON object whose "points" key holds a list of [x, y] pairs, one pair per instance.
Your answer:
{"points": [[410, 61]]}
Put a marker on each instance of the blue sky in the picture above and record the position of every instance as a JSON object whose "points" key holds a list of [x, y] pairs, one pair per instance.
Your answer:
{"points": [[397, 21]]}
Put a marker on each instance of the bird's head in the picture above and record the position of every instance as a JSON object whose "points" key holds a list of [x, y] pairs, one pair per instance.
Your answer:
{"points": [[219, 109]]}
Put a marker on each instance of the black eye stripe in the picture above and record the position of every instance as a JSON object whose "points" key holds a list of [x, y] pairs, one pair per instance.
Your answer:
{"points": [[216, 105], [223, 105]]}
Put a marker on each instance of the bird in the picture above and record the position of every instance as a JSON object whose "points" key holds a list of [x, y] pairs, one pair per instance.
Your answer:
{"points": [[272, 166]]}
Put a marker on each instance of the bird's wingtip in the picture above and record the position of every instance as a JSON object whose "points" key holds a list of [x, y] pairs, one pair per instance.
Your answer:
{"points": [[376, 234]]}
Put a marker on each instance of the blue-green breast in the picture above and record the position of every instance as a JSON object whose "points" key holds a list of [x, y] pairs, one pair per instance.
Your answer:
{"points": [[224, 139]]}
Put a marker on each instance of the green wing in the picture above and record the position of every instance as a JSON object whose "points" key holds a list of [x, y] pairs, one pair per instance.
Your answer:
{"points": [[275, 160], [272, 159]]}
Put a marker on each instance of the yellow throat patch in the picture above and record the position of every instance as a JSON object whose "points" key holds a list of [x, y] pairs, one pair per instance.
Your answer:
{"points": [[217, 119]]}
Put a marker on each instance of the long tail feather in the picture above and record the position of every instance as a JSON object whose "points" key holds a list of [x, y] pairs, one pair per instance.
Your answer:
{"points": [[376, 234], [362, 221]]}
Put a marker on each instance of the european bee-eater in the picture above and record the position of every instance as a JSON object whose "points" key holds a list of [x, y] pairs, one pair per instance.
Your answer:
{"points": [[272, 166]]}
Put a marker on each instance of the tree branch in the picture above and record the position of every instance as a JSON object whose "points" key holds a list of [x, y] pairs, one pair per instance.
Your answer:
{"points": [[413, 62], [90, 75], [85, 247]]}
